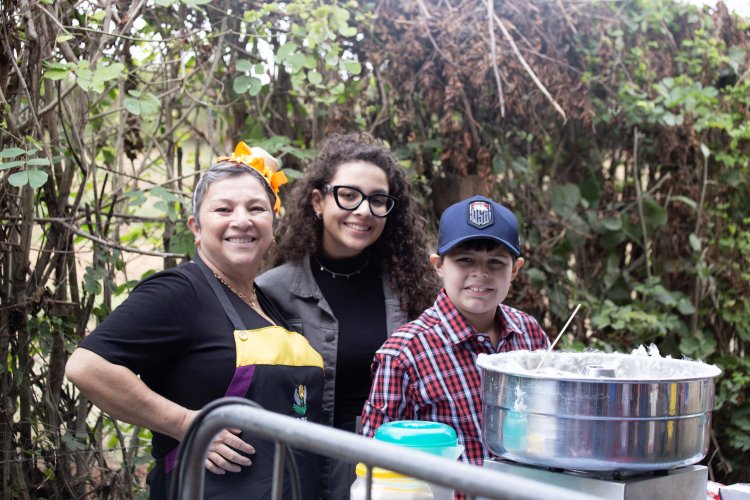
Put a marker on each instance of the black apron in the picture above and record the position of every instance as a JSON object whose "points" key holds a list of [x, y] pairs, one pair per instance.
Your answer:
{"points": [[280, 371]]}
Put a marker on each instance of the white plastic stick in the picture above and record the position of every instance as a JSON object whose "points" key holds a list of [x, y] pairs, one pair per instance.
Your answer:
{"points": [[558, 337]]}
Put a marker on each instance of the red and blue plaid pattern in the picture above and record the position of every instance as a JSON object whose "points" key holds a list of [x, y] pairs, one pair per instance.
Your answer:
{"points": [[427, 370]]}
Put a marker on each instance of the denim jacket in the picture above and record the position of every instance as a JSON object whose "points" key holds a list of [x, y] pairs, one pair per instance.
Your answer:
{"points": [[296, 294]]}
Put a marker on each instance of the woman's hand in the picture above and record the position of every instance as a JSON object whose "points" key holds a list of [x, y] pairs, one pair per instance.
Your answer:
{"points": [[223, 455]]}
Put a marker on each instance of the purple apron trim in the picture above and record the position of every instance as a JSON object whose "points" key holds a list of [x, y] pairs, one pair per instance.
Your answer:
{"points": [[243, 377], [170, 459]]}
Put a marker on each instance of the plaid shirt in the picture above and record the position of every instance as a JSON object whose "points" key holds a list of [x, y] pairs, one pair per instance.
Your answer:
{"points": [[427, 370]]}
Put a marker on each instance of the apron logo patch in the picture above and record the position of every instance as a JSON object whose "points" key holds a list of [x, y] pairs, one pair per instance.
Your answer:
{"points": [[300, 400], [480, 214]]}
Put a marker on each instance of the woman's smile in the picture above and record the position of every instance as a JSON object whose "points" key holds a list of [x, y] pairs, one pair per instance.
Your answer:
{"points": [[241, 240], [357, 227]]}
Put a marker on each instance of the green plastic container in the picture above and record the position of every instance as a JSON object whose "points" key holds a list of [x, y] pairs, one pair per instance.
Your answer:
{"points": [[431, 437]]}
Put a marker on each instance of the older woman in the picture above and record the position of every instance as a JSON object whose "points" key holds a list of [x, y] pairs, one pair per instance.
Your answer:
{"points": [[200, 331]]}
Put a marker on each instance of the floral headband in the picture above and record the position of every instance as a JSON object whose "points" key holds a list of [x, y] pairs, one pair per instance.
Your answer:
{"points": [[259, 160]]}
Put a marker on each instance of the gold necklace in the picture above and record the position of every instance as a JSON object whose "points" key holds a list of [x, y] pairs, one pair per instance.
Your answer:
{"points": [[252, 300]]}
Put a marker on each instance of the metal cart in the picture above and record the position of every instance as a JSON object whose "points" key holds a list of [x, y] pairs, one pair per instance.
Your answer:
{"points": [[475, 482]]}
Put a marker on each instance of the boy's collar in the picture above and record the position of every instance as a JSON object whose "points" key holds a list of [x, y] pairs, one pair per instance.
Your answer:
{"points": [[459, 328]]}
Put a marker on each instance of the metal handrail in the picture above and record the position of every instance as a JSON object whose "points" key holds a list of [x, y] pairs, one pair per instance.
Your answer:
{"points": [[331, 442]]}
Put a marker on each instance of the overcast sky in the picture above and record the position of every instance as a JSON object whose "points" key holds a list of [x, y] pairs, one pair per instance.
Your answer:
{"points": [[741, 7]]}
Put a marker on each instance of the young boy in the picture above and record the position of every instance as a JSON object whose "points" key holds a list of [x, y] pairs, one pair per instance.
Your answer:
{"points": [[427, 369]]}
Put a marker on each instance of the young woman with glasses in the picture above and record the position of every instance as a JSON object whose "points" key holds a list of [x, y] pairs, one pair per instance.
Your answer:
{"points": [[352, 267]]}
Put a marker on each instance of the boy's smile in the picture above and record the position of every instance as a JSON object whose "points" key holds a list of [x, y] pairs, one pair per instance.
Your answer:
{"points": [[477, 281]]}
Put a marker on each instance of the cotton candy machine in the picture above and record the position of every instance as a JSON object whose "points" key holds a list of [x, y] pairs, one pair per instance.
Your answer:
{"points": [[601, 418]]}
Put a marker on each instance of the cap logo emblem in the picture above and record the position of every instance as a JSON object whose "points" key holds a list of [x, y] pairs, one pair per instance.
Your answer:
{"points": [[480, 214]]}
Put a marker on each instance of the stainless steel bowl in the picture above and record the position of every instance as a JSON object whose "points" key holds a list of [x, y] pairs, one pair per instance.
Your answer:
{"points": [[653, 414]]}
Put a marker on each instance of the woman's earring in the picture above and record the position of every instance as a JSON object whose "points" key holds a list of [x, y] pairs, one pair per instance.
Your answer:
{"points": [[197, 241], [319, 215]]}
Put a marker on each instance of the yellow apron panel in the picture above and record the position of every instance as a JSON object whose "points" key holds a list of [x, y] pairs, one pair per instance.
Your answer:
{"points": [[274, 345]]}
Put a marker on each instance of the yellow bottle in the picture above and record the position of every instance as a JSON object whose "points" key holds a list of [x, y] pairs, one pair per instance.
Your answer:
{"points": [[387, 485]]}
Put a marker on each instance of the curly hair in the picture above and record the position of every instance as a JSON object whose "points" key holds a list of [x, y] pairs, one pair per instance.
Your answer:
{"points": [[402, 249]]}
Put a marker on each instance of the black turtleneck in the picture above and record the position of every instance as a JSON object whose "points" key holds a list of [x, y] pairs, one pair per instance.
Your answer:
{"points": [[358, 303]]}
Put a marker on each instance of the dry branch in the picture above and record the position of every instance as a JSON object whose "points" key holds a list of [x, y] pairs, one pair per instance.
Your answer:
{"points": [[493, 54], [528, 69]]}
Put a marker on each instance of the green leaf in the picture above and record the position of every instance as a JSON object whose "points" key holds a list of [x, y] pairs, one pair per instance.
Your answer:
{"points": [[244, 65], [577, 233], [332, 58], [292, 174], [498, 165], [612, 223], [12, 164], [347, 31], [91, 278], [84, 78], [704, 149], [255, 86], [695, 242], [149, 105], [297, 61], [97, 86], [11, 152], [37, 162], [272, 144], [56, 74], [132, 105], [654, 213], [64, 38], [309, 62], [37, 178], [71, 442], [298, 79], [314, 77], [565, 198], [98, 15], [685, 306], [736, 58], [536, 276], [137, 198], [687, 201], [163, 194], [672, 119], [285, 51], [183, 242], [195, 3], [110, 72], [19, 178], [353, 67], [241, 84], [165, 3]]}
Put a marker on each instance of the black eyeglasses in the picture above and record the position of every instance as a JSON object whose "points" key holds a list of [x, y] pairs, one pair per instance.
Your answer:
{"points": [[350, 198]]}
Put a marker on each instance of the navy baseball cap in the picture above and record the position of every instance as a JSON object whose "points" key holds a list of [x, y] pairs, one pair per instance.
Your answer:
{"points": [[478, 218]]}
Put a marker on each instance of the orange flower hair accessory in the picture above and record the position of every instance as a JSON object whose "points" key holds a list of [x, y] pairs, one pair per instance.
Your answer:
{"points": [[265, 164]]}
